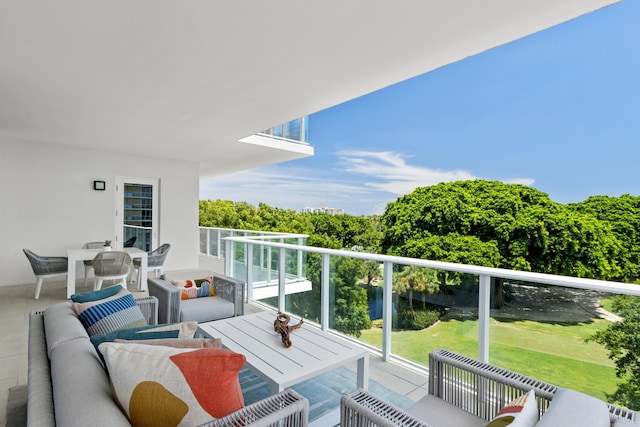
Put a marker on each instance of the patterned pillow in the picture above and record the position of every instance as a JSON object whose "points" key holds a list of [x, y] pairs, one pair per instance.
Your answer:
{"points": [[157, 385], [151, 332], [96, 295], [106, 315], [521, 412], [197, 288], [178, 342]]}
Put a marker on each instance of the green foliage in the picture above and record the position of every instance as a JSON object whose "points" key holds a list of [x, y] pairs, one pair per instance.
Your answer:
{"points": [[415, 279], [416, 320], [621, 340], [622, 214], [491, 223]]}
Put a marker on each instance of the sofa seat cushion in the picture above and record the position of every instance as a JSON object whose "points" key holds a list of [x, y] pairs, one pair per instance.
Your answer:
{"points": [[570, 408], [81, 389], [438, 413], [157, 385], [205, 309]]}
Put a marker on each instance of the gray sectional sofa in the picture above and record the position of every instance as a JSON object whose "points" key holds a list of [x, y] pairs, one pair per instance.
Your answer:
{"points": [[228, 302], [69, 387], [65, 368]]}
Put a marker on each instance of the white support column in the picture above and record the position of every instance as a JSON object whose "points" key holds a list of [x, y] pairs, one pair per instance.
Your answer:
{"points": [[484, 311], [387, 310], [324, 292], [281, 283], [249, 272]]}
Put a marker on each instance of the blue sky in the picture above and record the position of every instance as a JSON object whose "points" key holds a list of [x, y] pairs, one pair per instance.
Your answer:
{"points": [[558, 110]]}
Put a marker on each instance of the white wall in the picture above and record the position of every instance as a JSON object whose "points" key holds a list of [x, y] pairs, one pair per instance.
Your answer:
{"points": [[48, 205]]}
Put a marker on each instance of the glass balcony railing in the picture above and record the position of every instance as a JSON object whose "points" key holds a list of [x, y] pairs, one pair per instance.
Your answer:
{"points": [[296, 130], [536, 324]]}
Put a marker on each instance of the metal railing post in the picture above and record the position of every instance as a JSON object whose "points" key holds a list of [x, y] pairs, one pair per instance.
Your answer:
{"points": [[484, 311], [281, 282], [324, 292], [300, 258], [249, 272], [387, 310], [228, 262]]}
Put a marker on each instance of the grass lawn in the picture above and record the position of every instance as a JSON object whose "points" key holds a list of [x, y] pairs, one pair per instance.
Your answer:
{"points": [[555, 353]]}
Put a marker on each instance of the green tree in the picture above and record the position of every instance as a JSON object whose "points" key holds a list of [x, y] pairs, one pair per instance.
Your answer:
{"points": [[621, 340], [416, 279], [351, 303], [623, 215], [530, 231]]}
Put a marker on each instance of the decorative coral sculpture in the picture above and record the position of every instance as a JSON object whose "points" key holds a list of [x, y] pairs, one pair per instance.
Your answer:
{"points": [[281, 326]]}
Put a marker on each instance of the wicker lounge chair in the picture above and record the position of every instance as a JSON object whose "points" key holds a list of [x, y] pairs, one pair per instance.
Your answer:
{"points": [[471, 387], [45, 267]]}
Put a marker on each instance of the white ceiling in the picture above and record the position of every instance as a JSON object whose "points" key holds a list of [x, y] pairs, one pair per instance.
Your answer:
{"points": [[188, 79]]}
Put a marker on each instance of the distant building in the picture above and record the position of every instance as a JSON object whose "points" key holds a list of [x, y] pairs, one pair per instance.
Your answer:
{"points": [[322, 209]]}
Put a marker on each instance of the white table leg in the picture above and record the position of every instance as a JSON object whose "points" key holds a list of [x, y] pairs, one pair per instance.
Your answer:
{"points": [[71, 277], [363, 372], [275, 388], [143, 272]]}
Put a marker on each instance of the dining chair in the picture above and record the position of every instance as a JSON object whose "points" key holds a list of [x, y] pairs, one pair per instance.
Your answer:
{"points": [[88, 264], [45, 267], [155, 261], [111, 265], [130, 242]]}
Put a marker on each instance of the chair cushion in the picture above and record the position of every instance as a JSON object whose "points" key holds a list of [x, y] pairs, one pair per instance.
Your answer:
{"points": [[106, 315], [570, 408], [520, 412], [437, 413], [205, 309], [157, 385]]}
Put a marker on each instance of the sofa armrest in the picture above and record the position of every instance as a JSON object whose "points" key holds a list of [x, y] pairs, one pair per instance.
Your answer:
{"points": [[286, 409], [149, 308], [230, 289], [168, 297], [40, 409], [361, 409]]}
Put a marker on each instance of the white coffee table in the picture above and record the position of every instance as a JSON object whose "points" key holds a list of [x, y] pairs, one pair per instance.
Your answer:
{"points": [[312, 352]]}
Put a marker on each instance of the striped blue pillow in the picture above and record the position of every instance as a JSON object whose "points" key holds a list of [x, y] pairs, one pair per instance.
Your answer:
{"points": [[118, 311]]}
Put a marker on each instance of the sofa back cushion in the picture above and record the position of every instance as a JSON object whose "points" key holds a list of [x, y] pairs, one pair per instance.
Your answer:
{"points": [[570, 408], [61, 325]]}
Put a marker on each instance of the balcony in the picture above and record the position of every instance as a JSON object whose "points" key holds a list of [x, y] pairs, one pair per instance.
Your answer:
{"points": [[541, 329], [540, 335]]}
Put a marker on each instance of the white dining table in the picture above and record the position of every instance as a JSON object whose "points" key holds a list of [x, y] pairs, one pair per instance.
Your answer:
{"points": [[75, 255]]}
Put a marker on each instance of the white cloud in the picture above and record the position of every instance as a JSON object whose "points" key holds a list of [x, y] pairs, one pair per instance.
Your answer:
{"points": [[362, 183], [392, 172]]}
